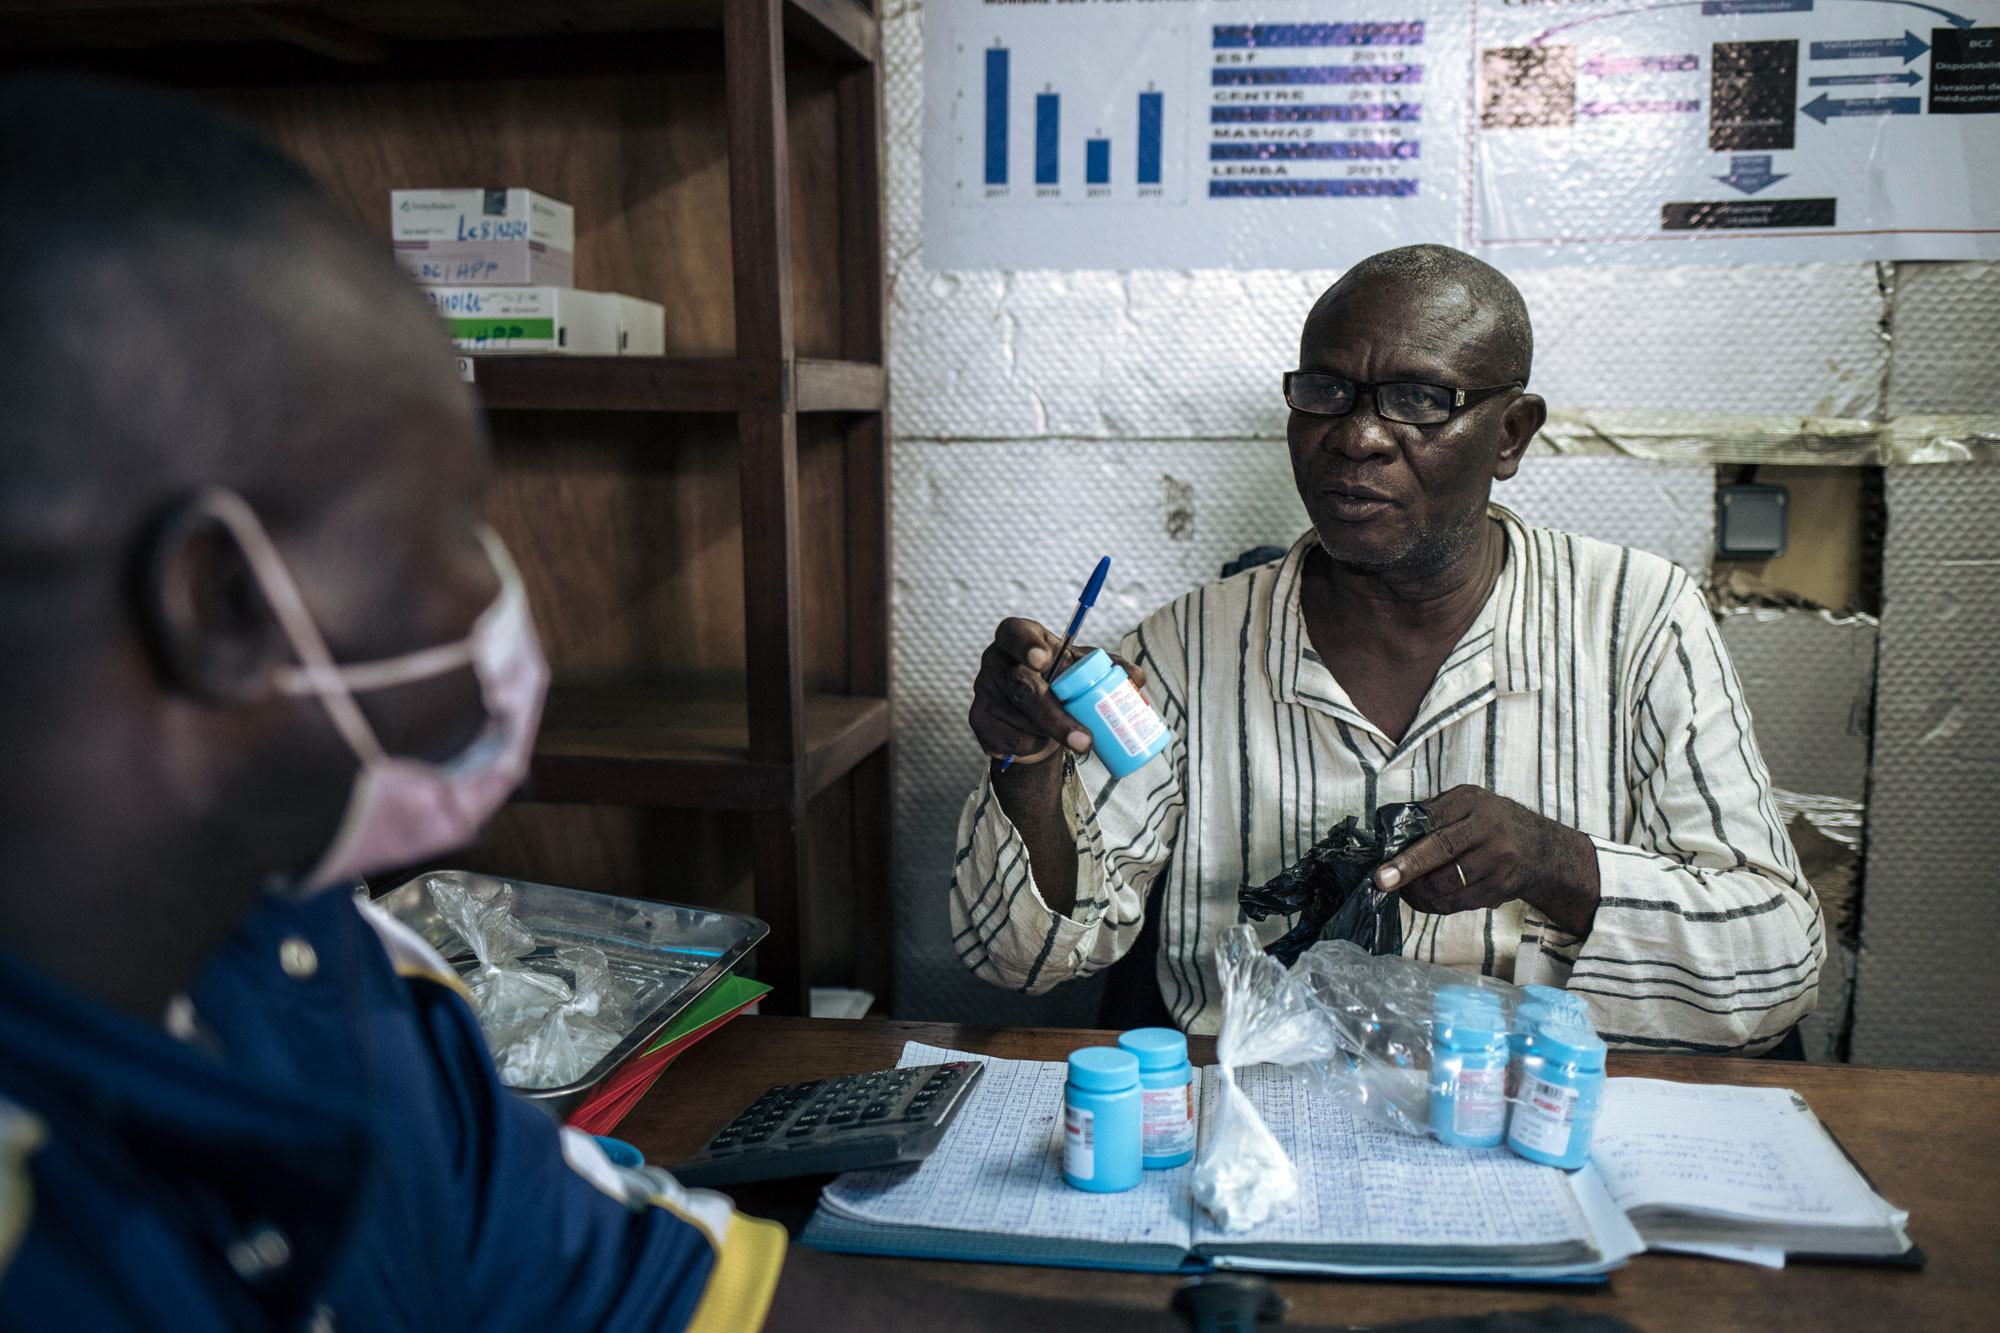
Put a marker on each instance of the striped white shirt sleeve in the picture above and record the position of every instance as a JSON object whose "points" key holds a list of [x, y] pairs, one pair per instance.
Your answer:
{"points": [[1592, 689], [1125, 832], [1707, 936]]}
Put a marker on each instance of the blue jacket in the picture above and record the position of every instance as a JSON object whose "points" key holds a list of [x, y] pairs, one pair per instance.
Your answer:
{"points": [[324, 1146]]}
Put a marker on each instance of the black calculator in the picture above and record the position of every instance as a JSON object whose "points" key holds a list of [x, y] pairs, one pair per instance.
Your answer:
{"points": [[848, 1123]]}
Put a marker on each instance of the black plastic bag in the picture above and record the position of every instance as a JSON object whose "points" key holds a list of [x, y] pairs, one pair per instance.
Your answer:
{"points": [[1330, 886]]}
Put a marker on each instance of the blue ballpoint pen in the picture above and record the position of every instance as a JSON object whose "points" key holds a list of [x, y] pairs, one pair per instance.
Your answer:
{"points": [[1084, 602]]}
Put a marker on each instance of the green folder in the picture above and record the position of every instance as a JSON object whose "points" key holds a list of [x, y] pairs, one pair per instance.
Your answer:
{"points": [[730, 993]]}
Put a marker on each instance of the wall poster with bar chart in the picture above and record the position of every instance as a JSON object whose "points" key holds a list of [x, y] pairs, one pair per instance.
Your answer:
{"points": [[1310, 133], [1176, 133]]}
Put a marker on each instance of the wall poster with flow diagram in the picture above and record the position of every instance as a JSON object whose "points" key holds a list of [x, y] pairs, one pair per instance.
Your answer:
{"points": [[1308, 133]]}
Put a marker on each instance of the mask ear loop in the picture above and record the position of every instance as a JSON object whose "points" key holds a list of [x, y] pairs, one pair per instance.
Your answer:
{"points": [[425, 663], [274, 580]]}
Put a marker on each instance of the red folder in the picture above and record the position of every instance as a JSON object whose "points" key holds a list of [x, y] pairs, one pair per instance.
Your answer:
{"points": [[621, 1091]]}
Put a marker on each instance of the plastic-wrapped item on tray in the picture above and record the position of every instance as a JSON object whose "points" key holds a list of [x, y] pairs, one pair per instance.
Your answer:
{"points": [[549, 1014], [1422, 1049], [504, 991]]}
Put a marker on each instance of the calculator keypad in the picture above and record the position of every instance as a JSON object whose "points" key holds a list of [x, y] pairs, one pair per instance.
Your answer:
{"points": [[814, 1114]]}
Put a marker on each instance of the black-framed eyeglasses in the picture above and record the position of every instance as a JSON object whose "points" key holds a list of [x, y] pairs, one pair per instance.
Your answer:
{"points": [[1411, 402]]}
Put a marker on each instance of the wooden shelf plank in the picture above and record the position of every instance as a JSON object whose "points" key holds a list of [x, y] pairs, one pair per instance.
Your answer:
{"points": [[839, 386], [654, 745], [840, 30], [509, 382], [556, 383]]}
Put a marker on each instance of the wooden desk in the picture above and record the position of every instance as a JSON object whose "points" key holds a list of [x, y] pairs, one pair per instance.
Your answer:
{"points": [[1930, 1141]]}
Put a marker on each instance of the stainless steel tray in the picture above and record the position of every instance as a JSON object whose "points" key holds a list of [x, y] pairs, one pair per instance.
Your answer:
{"points": [[671, 953]]}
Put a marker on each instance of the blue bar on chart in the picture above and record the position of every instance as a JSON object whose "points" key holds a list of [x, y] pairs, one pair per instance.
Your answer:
{"points": [[1267, 75], [1047, 113], [1151, 118], [1312, 189], [996, 116], [1252, 35], [1097, 161]]}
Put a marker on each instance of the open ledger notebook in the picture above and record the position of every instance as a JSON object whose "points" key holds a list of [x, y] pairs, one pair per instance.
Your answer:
{"points": [[1372, 1201], [1731, 1171], [1702, 1165]]}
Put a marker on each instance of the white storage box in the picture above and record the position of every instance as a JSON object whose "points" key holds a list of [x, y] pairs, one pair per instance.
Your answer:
{"points": [[498, 263], [642, 327], [459, 217], [501, 237], [529, 319]]}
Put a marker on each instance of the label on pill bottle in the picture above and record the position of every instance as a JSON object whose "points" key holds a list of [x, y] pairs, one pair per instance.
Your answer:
{"points": [[1167, 1126], [1079, 1143], [1479, 1103], [1543, 1118], [1131, 719]]}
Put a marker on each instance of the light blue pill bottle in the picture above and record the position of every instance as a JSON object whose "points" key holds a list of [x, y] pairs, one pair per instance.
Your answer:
{"points": [[1124, 729], [1166, 1095], [1102, 1110], [1469, 1058], [1561, 1084], [1538, 1005]]}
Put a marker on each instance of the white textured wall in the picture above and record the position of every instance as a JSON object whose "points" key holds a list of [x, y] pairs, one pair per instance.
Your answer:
{"points": [[1044, 418]]}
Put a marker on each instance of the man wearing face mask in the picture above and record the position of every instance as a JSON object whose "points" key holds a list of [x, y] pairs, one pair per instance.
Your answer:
{"points": [[257, 641]]}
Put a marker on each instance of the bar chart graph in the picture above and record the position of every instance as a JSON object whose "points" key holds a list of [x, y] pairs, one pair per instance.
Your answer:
{"points": [[1050, 126], [1114, 134]]}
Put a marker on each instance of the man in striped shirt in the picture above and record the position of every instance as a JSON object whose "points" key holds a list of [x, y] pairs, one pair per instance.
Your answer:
{"points": [[1602, 819]]}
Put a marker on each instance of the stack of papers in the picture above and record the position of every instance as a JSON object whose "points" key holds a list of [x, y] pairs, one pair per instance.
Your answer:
{"points": [[1696, 1165], [621, 1090]]}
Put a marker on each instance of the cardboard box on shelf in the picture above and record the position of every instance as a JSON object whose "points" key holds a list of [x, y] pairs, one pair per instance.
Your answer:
{"points": [[510, 237], [491, 263], [642, 326], [529, 319], [459, 217]]}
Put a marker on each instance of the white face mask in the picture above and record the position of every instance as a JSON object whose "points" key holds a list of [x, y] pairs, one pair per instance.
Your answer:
{"points": [[402, 810]]}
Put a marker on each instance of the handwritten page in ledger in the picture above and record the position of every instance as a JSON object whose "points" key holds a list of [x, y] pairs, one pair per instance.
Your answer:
{"points": [[1363, 1184], [1747, 1152], [999, 1170]]}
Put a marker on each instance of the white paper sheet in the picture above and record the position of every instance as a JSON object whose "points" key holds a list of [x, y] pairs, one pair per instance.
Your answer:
{"points": [[1756, 1153], [999, 1169], [1763, 1256]]}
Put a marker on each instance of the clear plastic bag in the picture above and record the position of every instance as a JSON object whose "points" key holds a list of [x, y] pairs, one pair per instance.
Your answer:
{"points": [[1423, 1049], [504, 992], [1383, 1012], [547, 1026], [1268, 1017]]}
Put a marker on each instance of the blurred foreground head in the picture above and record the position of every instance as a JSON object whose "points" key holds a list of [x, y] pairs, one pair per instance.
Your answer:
{"points": [[187, 315]]}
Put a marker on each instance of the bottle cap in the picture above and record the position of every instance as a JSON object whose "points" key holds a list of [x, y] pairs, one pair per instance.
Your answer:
{"points": [[1157, 1048], [1544, 994], [1568, 1043], [1466, 1000], [1084, 676], [1103, 1069]]}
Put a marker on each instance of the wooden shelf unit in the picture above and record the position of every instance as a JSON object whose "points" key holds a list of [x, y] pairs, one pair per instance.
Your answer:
{"points": [[621, 744], [677, 384], [615, 106]]}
